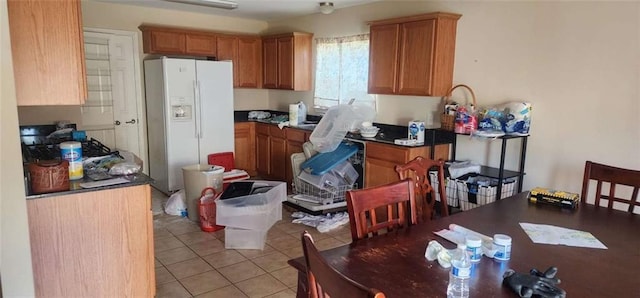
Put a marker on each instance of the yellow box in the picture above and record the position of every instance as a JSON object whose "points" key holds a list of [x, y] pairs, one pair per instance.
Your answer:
{"points": [[554, 197]]}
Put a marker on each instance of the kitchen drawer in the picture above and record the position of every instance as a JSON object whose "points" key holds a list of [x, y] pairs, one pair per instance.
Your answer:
{"points": [[262, 129], [276, 132], [296, 135], [387, 152]]}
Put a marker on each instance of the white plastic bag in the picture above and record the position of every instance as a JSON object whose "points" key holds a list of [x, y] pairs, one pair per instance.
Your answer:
{"points": [[124, 168], [323, 223], [176, 204]]}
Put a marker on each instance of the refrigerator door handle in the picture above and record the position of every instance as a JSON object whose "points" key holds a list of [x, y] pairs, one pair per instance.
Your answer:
{"points": [[196, 115], [199, 110]]}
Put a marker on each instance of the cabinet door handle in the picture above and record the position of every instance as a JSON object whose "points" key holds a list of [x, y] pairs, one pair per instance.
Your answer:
{"points": [[117, 122], [133, 121]]}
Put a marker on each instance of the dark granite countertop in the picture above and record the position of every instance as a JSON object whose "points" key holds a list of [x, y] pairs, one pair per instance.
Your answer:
{"points": [[134, 180], [387, 134]]}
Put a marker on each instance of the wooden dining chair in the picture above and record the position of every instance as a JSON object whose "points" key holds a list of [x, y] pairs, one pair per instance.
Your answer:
{"points": [[325, 281], [418, 171], [389, 200], [612, 176]]}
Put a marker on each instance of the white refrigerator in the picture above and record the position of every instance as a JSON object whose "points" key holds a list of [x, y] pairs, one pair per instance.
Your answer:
{"points": [[189, 115]]}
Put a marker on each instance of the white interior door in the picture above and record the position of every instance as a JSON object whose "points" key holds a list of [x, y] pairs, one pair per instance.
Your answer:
{"points": [[123, 92], [97, 112], [113, 113]]}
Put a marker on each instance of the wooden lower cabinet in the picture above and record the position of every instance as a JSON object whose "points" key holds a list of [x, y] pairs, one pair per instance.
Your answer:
{"points": [[381, 160], [263, 153], [273, 149], [278, 148], [245, 147], [93, 244], [295, 139]]}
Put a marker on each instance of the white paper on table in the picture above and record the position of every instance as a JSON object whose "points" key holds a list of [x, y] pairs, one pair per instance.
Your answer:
{"points": [[548, 234], [457, 234], [450, 235]]}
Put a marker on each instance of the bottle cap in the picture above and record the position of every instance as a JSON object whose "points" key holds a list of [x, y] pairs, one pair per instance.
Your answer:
{"points": [[462, 246], [501, 239], [473, 241]]}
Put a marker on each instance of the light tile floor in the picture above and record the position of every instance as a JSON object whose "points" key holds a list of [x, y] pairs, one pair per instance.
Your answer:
{"points": [[192, 263]]}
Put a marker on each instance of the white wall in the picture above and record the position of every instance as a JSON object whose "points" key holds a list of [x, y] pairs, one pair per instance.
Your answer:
{"points": [[578, 63], [15, 249]]}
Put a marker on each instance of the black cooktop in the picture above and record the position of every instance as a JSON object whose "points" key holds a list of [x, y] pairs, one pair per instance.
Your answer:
{"points": [[42, 142]]}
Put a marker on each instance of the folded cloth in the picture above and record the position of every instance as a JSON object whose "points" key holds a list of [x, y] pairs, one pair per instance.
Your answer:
{"points": [[259, 115], [459, 168], [281, 125]]}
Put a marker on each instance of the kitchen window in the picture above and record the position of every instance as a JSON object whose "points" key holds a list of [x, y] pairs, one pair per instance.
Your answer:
{"points": [[342, 71]]}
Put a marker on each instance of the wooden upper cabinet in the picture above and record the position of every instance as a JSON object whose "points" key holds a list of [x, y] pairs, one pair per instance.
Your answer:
{"points": [[228, 50], [158, 41], [383, 58], [413, 55], [48, 52], [270, 63], [176, 41], [246, 53], [249, 64], [200, 44], [413, 77], [287, 61]]}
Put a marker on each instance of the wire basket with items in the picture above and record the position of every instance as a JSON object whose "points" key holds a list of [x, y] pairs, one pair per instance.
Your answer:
{"points": [[471, 190], [476, 191], [323, 187], [329, 195], [449, 186], [459, 118]]}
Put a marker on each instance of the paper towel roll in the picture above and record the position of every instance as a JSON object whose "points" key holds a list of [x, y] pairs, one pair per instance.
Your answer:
{"points": [[293, 114]]}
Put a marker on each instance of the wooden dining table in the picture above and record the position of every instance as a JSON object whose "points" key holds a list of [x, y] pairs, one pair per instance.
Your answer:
{"points": [[395, 263]]}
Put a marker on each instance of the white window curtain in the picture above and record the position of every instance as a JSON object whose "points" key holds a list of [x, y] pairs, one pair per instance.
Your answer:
{"points": [[342, 71]]}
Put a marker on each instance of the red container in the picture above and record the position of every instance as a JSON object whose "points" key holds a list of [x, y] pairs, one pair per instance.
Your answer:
{"points": [[224, 159], [207, 208]]}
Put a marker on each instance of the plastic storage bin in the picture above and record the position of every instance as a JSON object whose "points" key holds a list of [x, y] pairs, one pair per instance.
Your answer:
{"points": [[347, 172], [328, 181], [244, 239], [256, 211], [335, 124]]}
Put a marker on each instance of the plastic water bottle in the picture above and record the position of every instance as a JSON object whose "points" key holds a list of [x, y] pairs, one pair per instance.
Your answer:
{"points": [[460, 272]]}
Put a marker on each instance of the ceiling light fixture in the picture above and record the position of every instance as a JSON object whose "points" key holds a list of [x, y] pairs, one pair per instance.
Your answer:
{"points": [[326, 7], [224, 4]]}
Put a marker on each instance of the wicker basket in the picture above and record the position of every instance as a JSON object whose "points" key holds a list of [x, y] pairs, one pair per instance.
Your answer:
{"points": [[447, 122]]}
